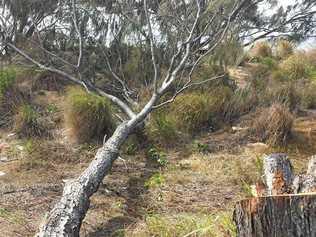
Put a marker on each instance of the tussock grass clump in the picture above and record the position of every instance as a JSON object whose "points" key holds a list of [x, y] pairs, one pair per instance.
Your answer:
{"points": [[274, 125], [284, 48], [193, 111], [282, 93], [188, 114], [308, 96], [27, 123], [296, 67], [240, 103], [162, 128], [261, 50], [88, 117]]}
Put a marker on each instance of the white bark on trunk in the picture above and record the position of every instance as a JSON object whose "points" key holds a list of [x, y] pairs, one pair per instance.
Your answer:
{"points": [[68, 213]]}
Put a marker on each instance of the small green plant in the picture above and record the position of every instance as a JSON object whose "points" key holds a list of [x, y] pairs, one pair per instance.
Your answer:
{"points": [[51, 108], [201, 147], [269, 62], [155, 181], [158, 156], [131, 149], [246, 188], [259, 165], [29, 146]]}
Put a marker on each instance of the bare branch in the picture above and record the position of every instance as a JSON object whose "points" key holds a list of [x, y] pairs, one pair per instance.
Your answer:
{"points": [[75, 20], [123, 106], [152, 46]]}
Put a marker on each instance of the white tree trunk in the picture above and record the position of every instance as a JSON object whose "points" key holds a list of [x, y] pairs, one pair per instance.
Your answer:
{"points": [[68, 213]]}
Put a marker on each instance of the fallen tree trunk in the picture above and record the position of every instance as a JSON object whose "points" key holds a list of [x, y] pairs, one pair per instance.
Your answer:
{"points": [[277, 216], [66, 217], [287, 207]]}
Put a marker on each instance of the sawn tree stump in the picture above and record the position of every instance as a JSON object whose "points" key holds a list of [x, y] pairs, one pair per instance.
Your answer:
{"points": [[287, 207]]}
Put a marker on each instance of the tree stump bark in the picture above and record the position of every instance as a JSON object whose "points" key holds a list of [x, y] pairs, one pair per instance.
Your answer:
{"points": [[276, 216], [289, 207]]}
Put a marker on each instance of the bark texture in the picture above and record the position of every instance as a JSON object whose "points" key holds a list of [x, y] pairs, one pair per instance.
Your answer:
{"points": [[67, 215], [278, 174], [276, 216]]}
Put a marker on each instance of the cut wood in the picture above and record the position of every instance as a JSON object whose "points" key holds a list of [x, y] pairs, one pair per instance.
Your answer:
{"points": [[277, 216], [280, 214]]}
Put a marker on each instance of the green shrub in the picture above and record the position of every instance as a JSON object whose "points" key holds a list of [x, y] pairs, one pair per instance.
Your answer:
{"points": [[284, 48], [162, 128], [87, 116], [26, 122], [157, 156], [296, 67]]}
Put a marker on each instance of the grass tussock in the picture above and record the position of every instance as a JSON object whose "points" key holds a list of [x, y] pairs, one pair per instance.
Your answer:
{"points": [[296, 67], [308, 96], [188, 115], [274, 125], [87, 117], [261, 50], [284, 49], [27, 122]]}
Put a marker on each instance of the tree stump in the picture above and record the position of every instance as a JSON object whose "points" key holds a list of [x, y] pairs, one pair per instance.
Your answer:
{"points": [[276, 216], [278, 174], [288, 208]]}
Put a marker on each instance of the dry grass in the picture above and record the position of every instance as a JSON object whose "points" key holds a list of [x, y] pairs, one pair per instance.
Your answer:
{"points": [[274, 125], [87, 117], [261, 50], [296, 67], [185, 225], [284, 48]]}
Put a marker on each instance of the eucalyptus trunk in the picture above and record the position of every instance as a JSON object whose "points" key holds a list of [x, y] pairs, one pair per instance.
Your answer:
{"points": [[66, 217]]}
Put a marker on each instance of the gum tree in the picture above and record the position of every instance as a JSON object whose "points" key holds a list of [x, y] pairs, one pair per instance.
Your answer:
{"points": [[173, 36]]}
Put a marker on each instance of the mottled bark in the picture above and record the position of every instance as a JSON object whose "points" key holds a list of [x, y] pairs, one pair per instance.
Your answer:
{"points": [[276, 216], [68, 213], [278, 174]]}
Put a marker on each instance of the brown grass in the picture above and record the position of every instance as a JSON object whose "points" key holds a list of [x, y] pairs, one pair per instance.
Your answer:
{"points": [[273, 125], [261, 50], [284, 48]]}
